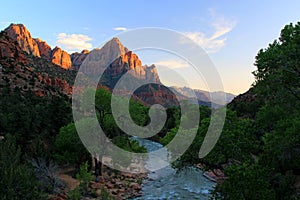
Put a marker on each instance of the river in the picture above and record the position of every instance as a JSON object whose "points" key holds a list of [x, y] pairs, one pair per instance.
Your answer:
{"points": [[166, 183]]}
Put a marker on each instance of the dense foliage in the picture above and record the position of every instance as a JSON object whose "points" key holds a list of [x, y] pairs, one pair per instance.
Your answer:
{"points": [[17, 178], [259, 148], [33, 120]]}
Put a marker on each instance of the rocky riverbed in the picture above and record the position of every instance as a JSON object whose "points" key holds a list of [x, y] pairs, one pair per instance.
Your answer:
{"points": [[165, 183]]}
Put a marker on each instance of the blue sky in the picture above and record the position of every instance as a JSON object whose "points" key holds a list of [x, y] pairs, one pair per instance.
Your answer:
{"points": [[230, 31]]}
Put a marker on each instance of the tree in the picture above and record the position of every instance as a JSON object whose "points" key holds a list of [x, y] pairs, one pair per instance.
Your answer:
{"points": [[246, 182], [278, 68], [275, 127], [17, 179], [69, 147], [84, 176]]}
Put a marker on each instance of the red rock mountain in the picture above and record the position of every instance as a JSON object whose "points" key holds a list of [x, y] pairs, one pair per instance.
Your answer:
{"points": [[113, 60], [150, 94], [99, 59], [20, 33], [61, 58], [131, 63], [44, 49], [37, 47], [23, 72], [113, 52]]}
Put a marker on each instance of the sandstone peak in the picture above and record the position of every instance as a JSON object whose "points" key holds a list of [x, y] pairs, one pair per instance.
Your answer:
{"points": [[21, 34], [38, 47], [61, 58], [129, 62], [115, 45], [38, 40], [44, 49], [99, 59], [57, 48], [115, 40]]}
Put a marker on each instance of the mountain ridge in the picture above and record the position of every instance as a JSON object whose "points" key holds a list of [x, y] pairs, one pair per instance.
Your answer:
{"points": [[204, 96], [26, 73], [112, 60], [40, 48]]}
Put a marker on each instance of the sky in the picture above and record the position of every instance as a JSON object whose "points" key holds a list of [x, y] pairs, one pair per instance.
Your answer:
{"points": [[230, 31]]}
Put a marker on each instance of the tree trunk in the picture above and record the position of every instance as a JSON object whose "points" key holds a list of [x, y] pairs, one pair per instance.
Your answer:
{"points": [[98, 168], [93, 163]]}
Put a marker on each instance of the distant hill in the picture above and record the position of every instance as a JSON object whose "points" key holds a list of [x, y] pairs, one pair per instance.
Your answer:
{"points": [[204, 97]]}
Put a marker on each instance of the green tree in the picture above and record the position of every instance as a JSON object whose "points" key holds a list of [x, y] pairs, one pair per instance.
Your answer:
{"points": [[246, 182], [84, 176], [69, 148], [277, 75], [17, 179], [275, 126]]}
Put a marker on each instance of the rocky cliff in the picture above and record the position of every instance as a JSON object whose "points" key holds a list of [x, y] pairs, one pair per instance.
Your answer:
{"points": [[37, 47], [78, 58], [26, 73], [20, 34], [44, 49], [99, 59], [152, 93], [61, 58], [129, 62]]}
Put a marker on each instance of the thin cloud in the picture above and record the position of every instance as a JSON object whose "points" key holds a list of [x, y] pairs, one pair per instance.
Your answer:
{"points": [[73, 42], [173, 64], [215, 41], [120, 28], [221, 24], [210, 44]]}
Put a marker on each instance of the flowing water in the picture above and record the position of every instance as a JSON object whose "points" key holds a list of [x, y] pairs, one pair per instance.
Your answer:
{"points": [[167, 183]]}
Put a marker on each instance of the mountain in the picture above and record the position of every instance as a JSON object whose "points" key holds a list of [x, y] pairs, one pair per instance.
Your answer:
{"points": [[78, 58], [55, 67], [113, 60], [20, 33], [247, 104], [61, 58], [38, 47], [204, 97], [24, 72], [153, 93], [44, 49], [129, 62], [98, 60]]}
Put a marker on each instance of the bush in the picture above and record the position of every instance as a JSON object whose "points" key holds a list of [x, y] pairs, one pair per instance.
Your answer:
{"points": [[17, 180]]}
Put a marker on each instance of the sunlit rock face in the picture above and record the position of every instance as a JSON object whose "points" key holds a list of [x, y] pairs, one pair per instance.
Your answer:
{"points": [[61, 58], [44, 49], [38, 47], [20, 33]]}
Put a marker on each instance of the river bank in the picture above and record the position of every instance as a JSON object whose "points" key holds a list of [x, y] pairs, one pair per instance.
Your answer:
{"points": [[165, 183], [119, 185], [215, 175]]}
